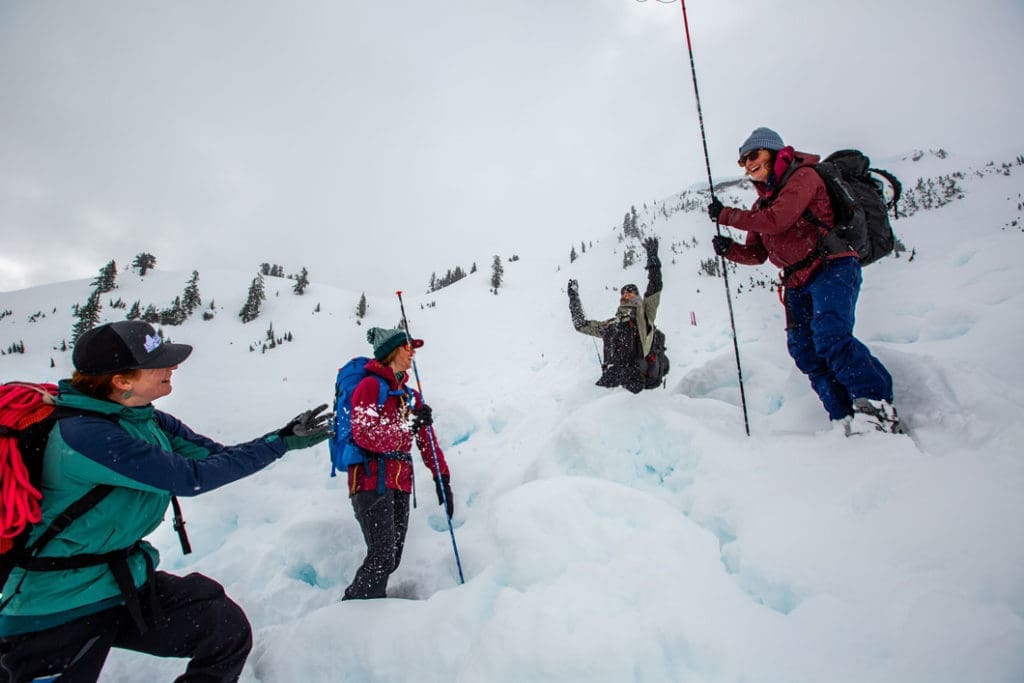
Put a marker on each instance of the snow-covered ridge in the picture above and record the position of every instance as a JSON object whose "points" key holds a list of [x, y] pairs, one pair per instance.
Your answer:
{"points": [[606, 536]]}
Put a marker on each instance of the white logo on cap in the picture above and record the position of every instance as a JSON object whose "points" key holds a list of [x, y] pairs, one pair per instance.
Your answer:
{"points": [[152, 342]]}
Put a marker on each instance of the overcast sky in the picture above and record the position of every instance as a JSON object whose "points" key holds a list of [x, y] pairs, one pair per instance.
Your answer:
{"points": [[376, 142]]}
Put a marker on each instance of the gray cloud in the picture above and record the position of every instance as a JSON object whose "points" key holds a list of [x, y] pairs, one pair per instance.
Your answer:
{"points": [[375, 143]]}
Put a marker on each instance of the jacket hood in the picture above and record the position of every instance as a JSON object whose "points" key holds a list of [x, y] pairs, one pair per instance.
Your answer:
{"points": [[787, 161], [384, 371]]}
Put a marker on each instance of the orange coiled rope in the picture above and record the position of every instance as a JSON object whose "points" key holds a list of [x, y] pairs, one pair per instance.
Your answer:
{"points": [[21, 405]]}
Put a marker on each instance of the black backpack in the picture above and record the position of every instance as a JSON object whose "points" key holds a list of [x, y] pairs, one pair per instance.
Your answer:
{"points": [[859, 209], [657, 361]]}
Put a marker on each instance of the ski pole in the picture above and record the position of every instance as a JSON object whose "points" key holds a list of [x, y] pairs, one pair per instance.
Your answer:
{"points": [[718, 228], [430, 435]]}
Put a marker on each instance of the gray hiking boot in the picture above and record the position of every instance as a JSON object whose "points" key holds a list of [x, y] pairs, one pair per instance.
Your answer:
{"points": [[870, 415]]}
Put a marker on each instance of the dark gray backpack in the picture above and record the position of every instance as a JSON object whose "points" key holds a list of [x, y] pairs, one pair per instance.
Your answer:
{"points": [[858, 206]]}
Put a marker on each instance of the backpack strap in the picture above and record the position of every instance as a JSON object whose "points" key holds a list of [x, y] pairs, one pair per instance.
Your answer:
{"points": [[826, 244], [117, 561], [27, 558], [383, 392], [178, 525], [897, 190]]}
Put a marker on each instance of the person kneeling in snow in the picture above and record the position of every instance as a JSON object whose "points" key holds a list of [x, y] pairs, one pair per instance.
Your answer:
{"points": [[633, 349], [95, 585], [379, 488]]}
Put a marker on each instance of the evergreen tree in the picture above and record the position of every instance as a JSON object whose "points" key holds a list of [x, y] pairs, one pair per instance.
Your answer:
{"points": [[628, 257], [572, 254], [473, 268], [151, 315], [191, 300], [497, 271], [251, 309], [135, 312], [301, 282], [629, 226], [175, 315], [105, 281], [143, 262], [361, 306], [450, 277], [88, 316]]}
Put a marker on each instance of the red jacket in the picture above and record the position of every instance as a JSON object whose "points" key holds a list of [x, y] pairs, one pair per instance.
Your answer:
{"points": [[780, 232], [388, 432]]}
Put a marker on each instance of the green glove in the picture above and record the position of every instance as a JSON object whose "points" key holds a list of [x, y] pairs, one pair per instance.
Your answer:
{"points": [[307, 429]]}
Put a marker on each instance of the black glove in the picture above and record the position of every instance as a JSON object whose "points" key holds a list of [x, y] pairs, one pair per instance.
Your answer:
{"points": [[447, 499], [651, 247], [307, 429], [715, 208], [421, 417], [573, 288], [722, 244]]}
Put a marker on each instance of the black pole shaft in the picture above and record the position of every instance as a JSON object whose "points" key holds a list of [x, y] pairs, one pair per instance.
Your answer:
{"points": [[718, 229], [433, 450]]}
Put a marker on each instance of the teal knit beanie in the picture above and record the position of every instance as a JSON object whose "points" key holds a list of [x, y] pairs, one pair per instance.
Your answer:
{"points": [[385, 341]]}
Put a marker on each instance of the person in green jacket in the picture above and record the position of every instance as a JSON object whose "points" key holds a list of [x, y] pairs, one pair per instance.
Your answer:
{"points": [[95, 586], [629, 336]]}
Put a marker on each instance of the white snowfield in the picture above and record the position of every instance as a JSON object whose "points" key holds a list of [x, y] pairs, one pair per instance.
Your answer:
{"points": [[612, 537]]}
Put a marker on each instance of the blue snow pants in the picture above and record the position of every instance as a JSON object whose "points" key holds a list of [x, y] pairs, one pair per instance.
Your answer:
{"points": [[819, 330]]}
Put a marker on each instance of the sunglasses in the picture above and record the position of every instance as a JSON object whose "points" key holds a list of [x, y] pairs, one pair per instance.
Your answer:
{"points": [[750, 156]]}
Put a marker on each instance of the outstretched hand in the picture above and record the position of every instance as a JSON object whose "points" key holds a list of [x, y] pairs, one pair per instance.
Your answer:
{"points": [[307, 428]]}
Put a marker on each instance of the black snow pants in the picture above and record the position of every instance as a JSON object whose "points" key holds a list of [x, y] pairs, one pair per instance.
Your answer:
{"points": [[197, 620], [384, 519]]}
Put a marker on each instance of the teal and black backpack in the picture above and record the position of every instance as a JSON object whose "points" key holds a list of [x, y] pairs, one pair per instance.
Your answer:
{"points": [[344, 451]]}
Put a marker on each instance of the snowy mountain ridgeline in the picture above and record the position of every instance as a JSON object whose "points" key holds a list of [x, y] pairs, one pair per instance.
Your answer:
{"points": [[612, 537]]}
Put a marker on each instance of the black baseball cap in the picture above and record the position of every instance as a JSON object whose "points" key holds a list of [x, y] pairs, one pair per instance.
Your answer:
{"points": [[630, 288], [125, 345]]}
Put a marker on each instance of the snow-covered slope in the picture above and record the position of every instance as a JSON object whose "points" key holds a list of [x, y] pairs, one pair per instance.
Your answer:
{"points": [[611, 537]]}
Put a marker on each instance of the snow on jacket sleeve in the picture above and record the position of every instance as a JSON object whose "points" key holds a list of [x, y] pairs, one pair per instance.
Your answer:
{"points": [[137, 463], [594, 328], [377, 432]]}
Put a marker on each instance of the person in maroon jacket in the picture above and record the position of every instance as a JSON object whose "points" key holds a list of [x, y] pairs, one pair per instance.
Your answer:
{"points": [[821, 289], [379, 488]]}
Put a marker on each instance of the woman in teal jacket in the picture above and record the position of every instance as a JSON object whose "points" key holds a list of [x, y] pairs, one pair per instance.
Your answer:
{"points": [[94, 586]]}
